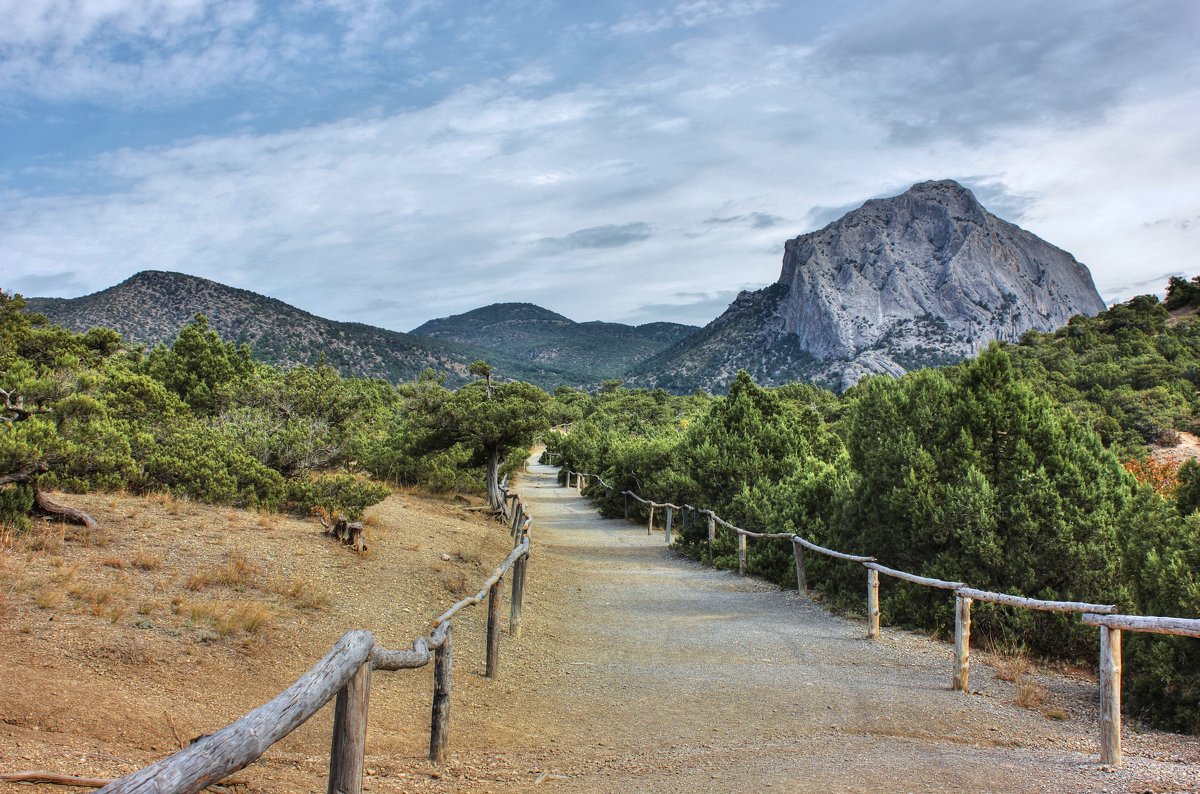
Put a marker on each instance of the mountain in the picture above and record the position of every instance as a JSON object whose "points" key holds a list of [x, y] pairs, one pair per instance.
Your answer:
{"points": [[921, 279], [592, 350], [152, 306]]}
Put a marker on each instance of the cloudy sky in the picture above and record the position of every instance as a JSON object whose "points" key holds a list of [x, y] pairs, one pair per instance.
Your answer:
{"points": [[390, 162]]}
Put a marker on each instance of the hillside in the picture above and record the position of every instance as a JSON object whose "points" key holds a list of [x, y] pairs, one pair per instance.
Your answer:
{"points": [[922, 279], [592, 350], [152, 306]]}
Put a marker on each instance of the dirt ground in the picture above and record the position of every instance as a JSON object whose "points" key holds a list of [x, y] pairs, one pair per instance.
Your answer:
{"points": [[1187, 449], [636, 670]]}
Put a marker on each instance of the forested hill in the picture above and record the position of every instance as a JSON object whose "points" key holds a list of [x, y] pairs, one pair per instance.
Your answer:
{"points": [[153, 306], [592, 351]]}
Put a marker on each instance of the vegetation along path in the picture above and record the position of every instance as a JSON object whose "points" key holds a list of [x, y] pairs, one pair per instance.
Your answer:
{"points": [[644, 670]]}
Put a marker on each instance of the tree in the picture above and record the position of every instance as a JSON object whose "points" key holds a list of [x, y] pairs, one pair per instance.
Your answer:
{"points": [[491, 421]]}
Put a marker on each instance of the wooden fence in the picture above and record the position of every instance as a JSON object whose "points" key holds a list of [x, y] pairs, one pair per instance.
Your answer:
{"points": [[345, 673], [1102, 615]]}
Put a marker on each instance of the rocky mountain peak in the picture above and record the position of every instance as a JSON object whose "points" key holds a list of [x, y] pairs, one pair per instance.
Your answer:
{"points": [[924, 278]]}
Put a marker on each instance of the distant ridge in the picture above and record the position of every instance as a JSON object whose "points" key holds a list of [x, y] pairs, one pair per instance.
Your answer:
{"points": [[592, 351], [152, 306], [922, 279]]}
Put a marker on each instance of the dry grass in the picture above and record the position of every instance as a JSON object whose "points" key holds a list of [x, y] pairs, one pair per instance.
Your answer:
{"points": [[267, 520], [146, 561], [113, 562], [302, 592], [1030, 694], [237, 573], [241, 617], [48, 597], [457, 583], [97, 537], [97, 594], [43, 541]]}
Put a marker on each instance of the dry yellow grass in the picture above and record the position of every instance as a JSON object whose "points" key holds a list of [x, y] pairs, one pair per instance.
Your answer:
{"points": [[146, 561], [302, 592], [237, 572], [48, 597], [227, 618]]}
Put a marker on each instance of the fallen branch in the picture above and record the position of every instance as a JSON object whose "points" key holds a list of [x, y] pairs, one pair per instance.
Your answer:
{"points": [[53, 778], [43, 503]]}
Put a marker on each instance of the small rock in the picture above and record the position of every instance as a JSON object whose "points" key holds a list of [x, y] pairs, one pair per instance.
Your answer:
{"points": [[445, 557]]}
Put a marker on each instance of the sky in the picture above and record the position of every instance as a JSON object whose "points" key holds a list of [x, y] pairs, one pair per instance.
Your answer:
{"points": [[392, 162]]}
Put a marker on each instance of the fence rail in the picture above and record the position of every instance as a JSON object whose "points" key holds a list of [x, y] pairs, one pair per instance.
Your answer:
{"points": [[1102, 615], [345, 674]]}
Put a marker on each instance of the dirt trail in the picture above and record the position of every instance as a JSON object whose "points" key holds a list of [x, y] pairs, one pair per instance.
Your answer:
{"points": [[642, 670]]}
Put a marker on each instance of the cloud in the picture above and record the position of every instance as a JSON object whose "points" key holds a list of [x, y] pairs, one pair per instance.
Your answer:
{"points": [[967, 70], [689, 308], [689, 14], [757, 220], [608, 236], [505, 156], [34, 285]]}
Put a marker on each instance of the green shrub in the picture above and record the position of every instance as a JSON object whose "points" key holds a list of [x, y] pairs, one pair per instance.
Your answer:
{"points": [[334, 493]]}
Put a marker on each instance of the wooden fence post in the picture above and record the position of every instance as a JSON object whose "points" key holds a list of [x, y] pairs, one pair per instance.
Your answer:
{"points": [[712, 536], [670, 514], [493, 629], [350, 733], [801, 578], [443, 666], [517, 596], [650, 522], [518, 515], [1110, 696], [741, 554], [872, 604], [962, 644]]}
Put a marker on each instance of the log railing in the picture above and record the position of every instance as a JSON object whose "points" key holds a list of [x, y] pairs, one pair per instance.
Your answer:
{"points": [[345, 674], [1102, 615]]}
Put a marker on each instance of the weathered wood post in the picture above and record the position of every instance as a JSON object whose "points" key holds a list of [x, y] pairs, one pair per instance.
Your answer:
{"points": [[650, 521], [493, 629], [741, 554], [670, 514], [1110, 696], [518, 516], [712, 536], [350, 733], [962, 644], [801, 578], [443, 667], [872, 604], [517, 596]]}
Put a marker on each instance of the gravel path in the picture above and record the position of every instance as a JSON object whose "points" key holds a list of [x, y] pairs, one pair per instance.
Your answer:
{"points": [[641, 670]]}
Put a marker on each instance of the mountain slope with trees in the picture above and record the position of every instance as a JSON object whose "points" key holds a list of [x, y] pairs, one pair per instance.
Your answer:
{"points": [[592, 351], [153, 306]]}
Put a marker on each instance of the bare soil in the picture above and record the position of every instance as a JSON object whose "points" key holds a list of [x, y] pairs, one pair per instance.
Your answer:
{"points": [[1187, 449], [637, 669]]}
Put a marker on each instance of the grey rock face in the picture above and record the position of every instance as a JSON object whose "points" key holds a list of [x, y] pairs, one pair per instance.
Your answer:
{"points": [[921, 279], [881, 278]]}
